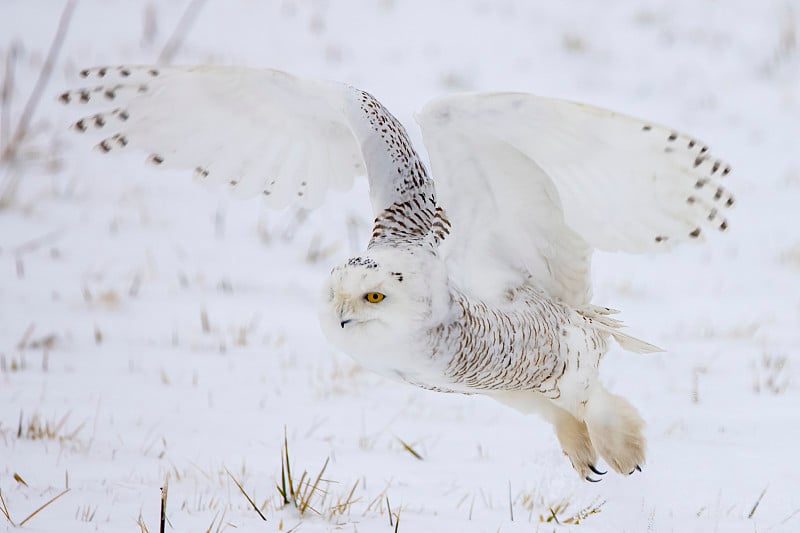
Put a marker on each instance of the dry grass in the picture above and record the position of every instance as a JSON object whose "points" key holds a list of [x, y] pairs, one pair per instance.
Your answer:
{"points": [[771, 374], [343, 504], [43, 506], [304, 495], [4, 509], [247, 496], [7, 514], [313, 492], [394, 518], [86, 513], [697, 371], [757, 503], [39, 342], [11, 151], [305, 492], [787, 45], [163, 513], [14, 363], [560, 511], [407, 447], [299, 493], [38, 428], [141, 524]]}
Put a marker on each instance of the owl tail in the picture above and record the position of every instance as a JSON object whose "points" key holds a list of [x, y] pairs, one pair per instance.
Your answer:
{"points": [[632, 344], [601, 321]]}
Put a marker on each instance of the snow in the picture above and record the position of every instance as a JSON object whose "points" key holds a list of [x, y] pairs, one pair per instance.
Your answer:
{"points": [[107, 269]]}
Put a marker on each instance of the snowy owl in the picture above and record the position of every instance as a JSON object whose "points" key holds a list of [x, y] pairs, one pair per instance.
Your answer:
{"points": [[479, 284]]}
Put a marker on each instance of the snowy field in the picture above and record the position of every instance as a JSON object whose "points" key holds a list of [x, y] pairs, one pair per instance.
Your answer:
{"points": [[154, 331]]}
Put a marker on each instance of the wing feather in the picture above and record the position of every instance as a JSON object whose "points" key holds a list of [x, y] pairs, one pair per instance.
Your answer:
{"points": [[256, 130], [553, 180]]}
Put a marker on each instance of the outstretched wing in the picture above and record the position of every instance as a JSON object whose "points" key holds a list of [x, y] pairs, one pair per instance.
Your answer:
{"points": [[259, 131], [531, 185]]}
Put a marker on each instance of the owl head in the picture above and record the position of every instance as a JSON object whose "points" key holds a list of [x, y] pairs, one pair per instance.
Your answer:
{"points": [[382, 298]]}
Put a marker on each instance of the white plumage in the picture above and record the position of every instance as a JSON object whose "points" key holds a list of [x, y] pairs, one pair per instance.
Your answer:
{"points": [[480, 284]]}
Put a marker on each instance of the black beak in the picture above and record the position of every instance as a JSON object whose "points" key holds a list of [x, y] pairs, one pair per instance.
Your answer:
{"points": [[343, 322]]}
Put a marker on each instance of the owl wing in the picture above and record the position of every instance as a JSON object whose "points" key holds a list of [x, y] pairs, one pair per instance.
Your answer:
{"points": [[532, 185], [260, 131]]}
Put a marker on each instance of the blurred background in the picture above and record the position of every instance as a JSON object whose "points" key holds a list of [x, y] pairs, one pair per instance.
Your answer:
{"points": [[153, 331]]}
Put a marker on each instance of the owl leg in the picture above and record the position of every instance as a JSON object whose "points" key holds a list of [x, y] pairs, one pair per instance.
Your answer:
{"points": [[615, 428], [572, 434]]}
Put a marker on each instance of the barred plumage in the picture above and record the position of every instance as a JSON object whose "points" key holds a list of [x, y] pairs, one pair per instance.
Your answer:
{"points": [[514, 346]]}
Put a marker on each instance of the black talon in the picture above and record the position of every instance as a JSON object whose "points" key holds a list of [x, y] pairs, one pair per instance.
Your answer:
{"points": [[587, 478], [596, 471], [639, 468]]}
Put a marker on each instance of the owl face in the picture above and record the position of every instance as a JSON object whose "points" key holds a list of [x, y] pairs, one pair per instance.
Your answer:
{"points": [[381, 299]]}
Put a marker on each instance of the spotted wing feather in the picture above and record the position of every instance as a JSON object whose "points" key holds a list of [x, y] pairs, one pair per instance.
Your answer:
{"points": [[259, 131], [553, 180]]}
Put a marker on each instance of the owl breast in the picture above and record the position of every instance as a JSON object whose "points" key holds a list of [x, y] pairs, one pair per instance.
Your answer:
{"points": [[530, 342]]}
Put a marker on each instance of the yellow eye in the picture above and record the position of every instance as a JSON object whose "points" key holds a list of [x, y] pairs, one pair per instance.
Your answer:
{"points": [[374, 297]]}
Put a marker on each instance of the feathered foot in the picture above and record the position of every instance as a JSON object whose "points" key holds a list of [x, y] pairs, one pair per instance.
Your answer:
{"points": [[573, 435], [615, 429]]}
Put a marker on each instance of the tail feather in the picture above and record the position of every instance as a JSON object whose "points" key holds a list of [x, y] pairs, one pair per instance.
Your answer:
{"points": [[632, 344], [602, 322]]}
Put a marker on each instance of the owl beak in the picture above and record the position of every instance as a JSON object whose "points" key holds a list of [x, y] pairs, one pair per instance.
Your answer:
{"points": [[343, 310]]}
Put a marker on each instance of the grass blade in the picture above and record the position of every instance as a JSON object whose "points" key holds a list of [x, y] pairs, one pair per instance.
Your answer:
{"points": [[4, 510], [163, 522], [310, 493], [249, 499], [48, 502], [758, 502], [409, 449]]}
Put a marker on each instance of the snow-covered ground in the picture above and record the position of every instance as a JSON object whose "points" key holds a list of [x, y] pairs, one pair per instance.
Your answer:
{"points": [[153, 330]]}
